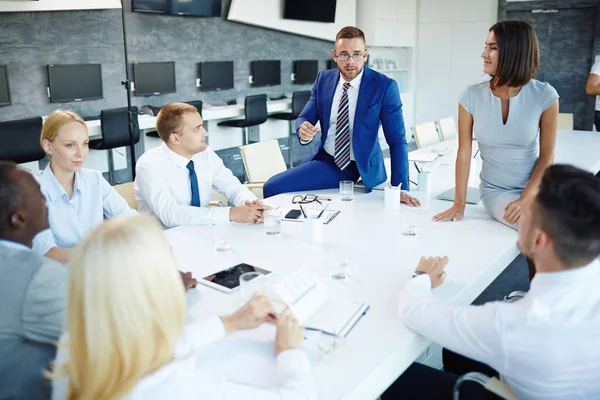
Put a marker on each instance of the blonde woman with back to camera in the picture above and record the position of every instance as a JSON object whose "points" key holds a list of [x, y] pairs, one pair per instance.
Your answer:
{"points": [[77, 198], [126, 337]]}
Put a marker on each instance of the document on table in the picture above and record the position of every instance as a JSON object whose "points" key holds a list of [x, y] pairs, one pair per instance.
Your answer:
{"points": [[308, 299], [328, 215], [422, 156]]}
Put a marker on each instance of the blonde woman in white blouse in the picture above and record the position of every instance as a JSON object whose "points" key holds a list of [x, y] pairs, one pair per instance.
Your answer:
{"points": [[126, 337]]}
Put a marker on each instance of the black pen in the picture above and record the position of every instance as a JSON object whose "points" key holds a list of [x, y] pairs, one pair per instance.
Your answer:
{"points": [[477, 152], [417, 167]]}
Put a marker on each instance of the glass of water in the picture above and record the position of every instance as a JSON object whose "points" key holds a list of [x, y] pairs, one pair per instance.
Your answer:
{"points": [[339, 266], [251, 283], [410, 219], [273, 223], [346, 190], [222, 238]]}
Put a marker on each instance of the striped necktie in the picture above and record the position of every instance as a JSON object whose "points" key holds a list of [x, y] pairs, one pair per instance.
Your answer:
{"points": [[342, 134]]}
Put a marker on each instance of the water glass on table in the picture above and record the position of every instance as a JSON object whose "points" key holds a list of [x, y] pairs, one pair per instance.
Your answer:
{"points": [[410, 219], [250, 284], [338, 264], [346, 190], [222, 238], [272, 223]]}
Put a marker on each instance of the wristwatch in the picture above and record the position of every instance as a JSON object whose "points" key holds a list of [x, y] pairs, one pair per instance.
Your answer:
{"points": [[419, 272]]}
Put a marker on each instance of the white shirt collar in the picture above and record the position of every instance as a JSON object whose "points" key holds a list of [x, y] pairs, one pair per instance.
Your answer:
{"points": [[14, 245], [178, 159], [542, 282], [53, 189], [355, 83]]}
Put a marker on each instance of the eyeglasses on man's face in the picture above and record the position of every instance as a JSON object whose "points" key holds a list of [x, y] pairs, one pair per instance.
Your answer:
{"points": [[346, 57]]}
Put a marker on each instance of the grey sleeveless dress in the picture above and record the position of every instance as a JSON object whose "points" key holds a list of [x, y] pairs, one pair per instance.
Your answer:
{"points": [[508, 151]]}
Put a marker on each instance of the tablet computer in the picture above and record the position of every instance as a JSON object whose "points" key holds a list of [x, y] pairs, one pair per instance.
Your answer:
{"points": [[228, 280], [472, 195]]}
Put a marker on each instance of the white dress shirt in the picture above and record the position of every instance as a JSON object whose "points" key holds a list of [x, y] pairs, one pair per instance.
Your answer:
{"points": [[162, 187], [353, 90], [545, 346], [182, 379], [71, 218]]}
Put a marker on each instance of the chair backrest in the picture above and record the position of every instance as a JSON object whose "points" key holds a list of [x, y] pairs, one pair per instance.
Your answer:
{"points": [[565, 122], [115, 127], [20, 140], [426, 134], [262, 160], [299, 100], [126, 192], [447, 128], [197, 104], [255, 109]]}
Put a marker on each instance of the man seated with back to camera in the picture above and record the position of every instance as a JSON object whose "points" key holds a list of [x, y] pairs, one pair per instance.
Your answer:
{"points": [[543, 346], [174, 182]]}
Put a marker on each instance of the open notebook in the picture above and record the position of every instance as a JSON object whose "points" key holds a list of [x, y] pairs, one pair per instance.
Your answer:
{"points": [[311, 304]]}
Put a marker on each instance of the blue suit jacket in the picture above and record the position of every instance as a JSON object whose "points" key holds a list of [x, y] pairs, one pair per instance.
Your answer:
{"points": [[378, 104]]}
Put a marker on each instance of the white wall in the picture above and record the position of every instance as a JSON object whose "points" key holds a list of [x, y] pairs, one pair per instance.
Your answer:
{"points": [[450, 39], [269, 14], [53, 5]]}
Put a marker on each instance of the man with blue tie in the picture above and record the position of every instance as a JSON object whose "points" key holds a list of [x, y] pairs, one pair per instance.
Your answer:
{"points": [[351, 103], [174, 181]]}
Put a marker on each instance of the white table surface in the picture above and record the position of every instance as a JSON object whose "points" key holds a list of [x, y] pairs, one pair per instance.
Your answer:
{"points": [[379, 348]]}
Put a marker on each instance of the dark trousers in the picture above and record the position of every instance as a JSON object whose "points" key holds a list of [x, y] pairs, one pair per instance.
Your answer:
{"points": [[423, 382], [320, 173], [597, 120]]}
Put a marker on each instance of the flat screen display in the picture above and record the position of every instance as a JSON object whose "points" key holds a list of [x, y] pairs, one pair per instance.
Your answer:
{"points": [[305, 71], [310, 10], [74, 82], [4, 90], [199, 8], [266, 73], [216, 75], [154, 78]]}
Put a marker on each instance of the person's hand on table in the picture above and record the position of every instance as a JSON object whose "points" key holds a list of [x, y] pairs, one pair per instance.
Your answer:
{"points": [[289, 333], [246, 214], [434, 267], [255, 312], [263, 207], [409, 200], [512, 212], [188, 280], [307, 131], [454, 213]]}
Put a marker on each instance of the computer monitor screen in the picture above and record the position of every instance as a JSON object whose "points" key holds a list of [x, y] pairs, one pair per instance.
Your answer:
{"points": [[310, 10], [4, 91], [154, 78], [266, 73], [74, 82], [305, 71], [216, 75], [199, 8]]}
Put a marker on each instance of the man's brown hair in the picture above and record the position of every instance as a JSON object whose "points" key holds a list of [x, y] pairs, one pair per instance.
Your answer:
{"points": [[350, 32], [169, 118], [519, 57]]}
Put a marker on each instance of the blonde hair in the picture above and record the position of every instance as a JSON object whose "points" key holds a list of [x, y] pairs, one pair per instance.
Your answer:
{"points": [[125, 308], [56, 120]]}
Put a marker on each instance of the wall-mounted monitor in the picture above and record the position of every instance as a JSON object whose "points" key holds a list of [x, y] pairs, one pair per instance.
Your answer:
{"points": [[198, 8], [153, 79], [74, 82], [305, 71], [310, 10], [266, 73], [215, 75], [4, 89], [331, 64]]}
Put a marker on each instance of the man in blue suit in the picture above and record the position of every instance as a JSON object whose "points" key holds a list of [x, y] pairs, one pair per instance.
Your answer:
{"points": [[351, 103]]}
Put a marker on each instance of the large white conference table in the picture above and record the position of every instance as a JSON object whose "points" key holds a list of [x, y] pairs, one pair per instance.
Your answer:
{"points": [[379, 348]]}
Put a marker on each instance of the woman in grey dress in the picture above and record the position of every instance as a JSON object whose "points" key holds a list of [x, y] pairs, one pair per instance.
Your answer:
{"points": [[513, 117]]}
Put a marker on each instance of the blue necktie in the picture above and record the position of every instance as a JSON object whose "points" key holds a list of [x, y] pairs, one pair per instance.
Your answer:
{"points": [[194, 182]]}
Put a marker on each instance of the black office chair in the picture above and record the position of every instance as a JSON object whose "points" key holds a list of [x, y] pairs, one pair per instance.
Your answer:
{"points": [[255, 111], [299, 100], [195, 103], [20, 140], [115, 133]]}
